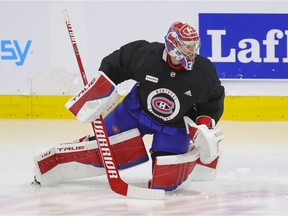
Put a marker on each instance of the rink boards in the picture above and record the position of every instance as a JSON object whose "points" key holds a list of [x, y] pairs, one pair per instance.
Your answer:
{"points": [[246, 108]]}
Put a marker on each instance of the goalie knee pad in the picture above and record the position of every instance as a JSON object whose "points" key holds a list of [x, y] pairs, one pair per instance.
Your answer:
{"points": [[82, 159]]}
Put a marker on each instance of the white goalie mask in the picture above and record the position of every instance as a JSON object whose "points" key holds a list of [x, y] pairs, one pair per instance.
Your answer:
{"points": [[182, 42]]}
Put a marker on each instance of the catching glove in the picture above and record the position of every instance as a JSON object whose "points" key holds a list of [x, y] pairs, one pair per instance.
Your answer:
{"points": [[205, 136]]}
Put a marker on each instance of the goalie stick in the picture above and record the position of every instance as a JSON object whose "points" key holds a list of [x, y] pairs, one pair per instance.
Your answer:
{"points": [[109, 162]]}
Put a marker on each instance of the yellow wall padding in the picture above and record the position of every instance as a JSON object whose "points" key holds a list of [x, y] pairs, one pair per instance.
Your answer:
{"points": [[240, 108], [256, 108], [34, 107]]}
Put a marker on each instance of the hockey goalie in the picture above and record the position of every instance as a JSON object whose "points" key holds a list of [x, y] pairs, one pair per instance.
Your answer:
{"points": [[177, 98]]}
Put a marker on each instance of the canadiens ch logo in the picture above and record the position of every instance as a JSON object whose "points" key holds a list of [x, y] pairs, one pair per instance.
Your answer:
{"points": [[163, 103]]}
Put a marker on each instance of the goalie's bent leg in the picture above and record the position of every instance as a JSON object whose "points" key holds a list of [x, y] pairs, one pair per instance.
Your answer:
{"points": [[175, 172], [67, 161], [82, 159], [169, 172]]}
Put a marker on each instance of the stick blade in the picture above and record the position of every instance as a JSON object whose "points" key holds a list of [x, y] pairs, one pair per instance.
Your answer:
{"points": [[145, 193]]}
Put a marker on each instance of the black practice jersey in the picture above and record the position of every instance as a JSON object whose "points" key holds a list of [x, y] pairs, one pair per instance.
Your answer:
{"points": [[167, 95]]}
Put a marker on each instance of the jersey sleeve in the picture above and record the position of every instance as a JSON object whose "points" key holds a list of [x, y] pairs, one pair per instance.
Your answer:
{"points": [[117, 65], [214, 106]]}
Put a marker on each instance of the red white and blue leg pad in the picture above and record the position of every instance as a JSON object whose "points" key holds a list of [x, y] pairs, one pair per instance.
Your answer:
{"points": [[176, 172], [82, 159], [172, 171]]}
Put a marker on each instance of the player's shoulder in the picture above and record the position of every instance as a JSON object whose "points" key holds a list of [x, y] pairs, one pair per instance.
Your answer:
{"points": [[203, 60], [204, 63]]}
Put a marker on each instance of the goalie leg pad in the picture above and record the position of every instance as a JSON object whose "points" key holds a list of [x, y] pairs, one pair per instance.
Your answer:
{"points": [[82, 159], [128, 148], [173, 171], [68, 161]]}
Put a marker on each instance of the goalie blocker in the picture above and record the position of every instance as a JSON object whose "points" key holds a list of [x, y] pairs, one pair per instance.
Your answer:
{"points": [[97, 98]]}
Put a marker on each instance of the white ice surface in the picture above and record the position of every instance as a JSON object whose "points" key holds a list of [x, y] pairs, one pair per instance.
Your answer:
{"points": [[252, 177]]}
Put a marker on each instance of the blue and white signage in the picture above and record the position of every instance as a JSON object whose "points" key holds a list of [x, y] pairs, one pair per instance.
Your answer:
{"points": [[246, 45], [12, 51]]}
